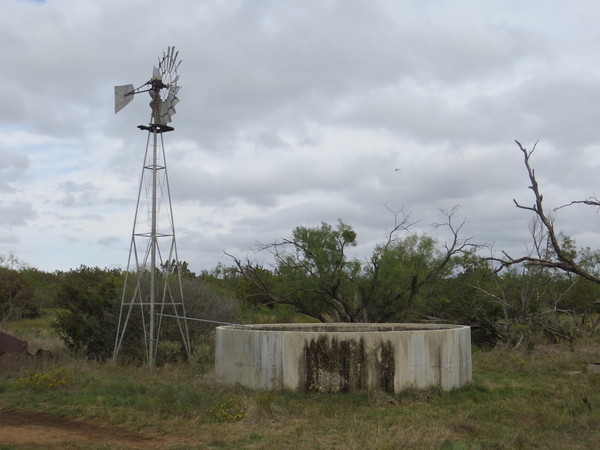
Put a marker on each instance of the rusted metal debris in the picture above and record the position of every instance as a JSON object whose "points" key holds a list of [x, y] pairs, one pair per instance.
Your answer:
{"points": [[11, 344], [14, 345]]}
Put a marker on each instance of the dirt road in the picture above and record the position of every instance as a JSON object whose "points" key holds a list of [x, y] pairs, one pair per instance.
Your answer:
{"points": [[33, 430]]}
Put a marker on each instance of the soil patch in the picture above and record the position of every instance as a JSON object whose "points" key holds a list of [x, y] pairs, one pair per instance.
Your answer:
{"points": [[43, 430]]}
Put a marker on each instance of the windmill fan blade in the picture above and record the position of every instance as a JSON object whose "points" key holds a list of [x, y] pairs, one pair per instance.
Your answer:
{"points": [[167, 58], [172, 100], [123, 95], [164, 113], [156, 74], [174, 59]]}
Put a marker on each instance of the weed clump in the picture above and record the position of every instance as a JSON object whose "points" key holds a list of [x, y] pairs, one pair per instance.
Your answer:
{"points": [[41, 381], [228, 411]]}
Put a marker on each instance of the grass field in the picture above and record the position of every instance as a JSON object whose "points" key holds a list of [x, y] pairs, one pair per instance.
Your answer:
{"points": [[542, 398]]}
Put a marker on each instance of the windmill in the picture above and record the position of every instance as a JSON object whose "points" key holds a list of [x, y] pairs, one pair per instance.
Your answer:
{"points": [[152, 289]]}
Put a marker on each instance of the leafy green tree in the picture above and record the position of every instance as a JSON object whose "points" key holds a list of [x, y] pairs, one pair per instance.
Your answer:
{"points": [[403, 277], [314, 273], [89, 298], [45, 287], [16, 296], [90, 301], [177, 267], [398, 275], [204, 302], [460, 298], [16, 293], [228, 282]]}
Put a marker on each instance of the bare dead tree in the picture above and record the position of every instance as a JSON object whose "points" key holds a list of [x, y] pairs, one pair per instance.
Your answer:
{"points": [[457, 244], [559, 257]]}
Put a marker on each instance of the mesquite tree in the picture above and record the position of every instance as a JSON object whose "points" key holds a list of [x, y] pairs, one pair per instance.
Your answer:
{"points": [[313, 272]]}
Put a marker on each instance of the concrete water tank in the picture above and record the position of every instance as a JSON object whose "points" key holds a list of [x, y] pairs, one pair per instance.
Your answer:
{"points": [[343, 357]]}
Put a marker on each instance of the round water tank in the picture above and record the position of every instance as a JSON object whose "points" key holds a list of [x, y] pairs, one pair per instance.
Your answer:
{"points": [[343, 357]]}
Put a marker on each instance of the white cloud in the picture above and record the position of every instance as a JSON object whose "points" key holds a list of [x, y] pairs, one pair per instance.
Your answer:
{"points": [[14, 166], [293, 113], [16, 213]]}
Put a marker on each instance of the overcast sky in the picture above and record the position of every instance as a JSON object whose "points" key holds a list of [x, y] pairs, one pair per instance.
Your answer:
{"points": [[293, 113]]}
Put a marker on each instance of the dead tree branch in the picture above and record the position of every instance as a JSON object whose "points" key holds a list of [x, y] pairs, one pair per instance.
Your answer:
{"points": [[561, 259]]}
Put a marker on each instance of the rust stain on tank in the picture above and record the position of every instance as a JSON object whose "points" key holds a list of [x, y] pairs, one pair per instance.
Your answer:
{"points": [[332, 365], [387, 367]]}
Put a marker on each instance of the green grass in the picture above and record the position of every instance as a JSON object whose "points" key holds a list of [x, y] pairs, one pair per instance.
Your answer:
{"points": [[518, 399], [516, 402]]}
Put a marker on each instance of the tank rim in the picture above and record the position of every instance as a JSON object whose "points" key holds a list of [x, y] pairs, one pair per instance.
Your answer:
{"points": [[336, 327]]}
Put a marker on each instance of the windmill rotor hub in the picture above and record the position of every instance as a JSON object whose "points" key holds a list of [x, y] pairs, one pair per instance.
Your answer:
{"points": [[157, 85]]}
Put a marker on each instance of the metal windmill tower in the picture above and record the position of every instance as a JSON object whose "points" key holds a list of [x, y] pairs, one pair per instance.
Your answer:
{"points": [[152, 290]]}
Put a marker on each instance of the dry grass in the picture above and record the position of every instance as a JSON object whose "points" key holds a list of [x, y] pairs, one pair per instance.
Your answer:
{"points": [[538, 399], [39, 334]]}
